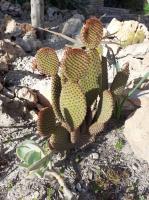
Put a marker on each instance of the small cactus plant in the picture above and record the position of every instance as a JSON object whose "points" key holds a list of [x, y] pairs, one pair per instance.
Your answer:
{"points": [[81, 103]]}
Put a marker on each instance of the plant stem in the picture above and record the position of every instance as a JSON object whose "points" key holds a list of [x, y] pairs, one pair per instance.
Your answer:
{"points": [[61, 35]]}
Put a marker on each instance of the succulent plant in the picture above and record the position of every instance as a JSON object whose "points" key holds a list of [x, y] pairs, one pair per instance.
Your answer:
{"points": [[81, 103]]}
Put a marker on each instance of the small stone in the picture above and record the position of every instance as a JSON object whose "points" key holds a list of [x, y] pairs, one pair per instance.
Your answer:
{"points": [[33, 115], [90, 175], [95, 156], [135, 167], [78, 187]]}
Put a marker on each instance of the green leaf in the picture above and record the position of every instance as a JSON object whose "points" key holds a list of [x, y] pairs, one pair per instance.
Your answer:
{"points": [[32, 157], [28, 146], [42, 162], [21, 152]]}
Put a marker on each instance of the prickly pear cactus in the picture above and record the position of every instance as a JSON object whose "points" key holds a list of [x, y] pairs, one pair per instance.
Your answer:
{"points": [[81, 101]]}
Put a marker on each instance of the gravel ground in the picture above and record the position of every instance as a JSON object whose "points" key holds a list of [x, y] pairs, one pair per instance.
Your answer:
{"points": [[106, 169]]}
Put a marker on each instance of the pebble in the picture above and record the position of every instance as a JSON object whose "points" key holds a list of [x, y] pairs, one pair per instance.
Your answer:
{"points": [[90, 175], [95, 156], [78, 187], [135, 167]]}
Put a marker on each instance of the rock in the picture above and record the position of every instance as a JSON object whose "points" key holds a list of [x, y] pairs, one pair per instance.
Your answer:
{"points": [[140, 98], [95, 156], [8, 93], [114, 26], [6, 119], [10, 8], [73, 26], [78, 187], [15, 109], [136, 132], [43, 89], [5, 5], [11, 50], [27, 95], [128, 32], [145, 61], [12, 28], [31, 41], [137, 70], [135, 50], [33, 115], [4, 63], [54, 14]]}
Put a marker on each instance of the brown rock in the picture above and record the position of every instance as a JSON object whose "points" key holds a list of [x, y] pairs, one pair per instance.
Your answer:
{"points": [[11, 50], [28, 95]]}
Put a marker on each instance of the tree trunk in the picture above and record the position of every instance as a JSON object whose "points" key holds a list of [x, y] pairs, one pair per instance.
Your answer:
{"points": [[37, 13]]}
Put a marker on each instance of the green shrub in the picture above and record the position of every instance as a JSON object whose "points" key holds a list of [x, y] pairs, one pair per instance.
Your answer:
{"points": [[146, 9]]}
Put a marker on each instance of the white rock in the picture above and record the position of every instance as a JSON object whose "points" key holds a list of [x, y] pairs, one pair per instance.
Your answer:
{"points": [[95, 156], [136, 132], [44, 92], [135, 50], [114, 26]]}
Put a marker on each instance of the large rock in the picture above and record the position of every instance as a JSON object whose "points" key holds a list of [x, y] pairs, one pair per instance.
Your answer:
{"points": [[54, 13], [73, 26], [30, 42], [12, 28], [128, 32], [11, 49], [136, 132], [135, 50]]}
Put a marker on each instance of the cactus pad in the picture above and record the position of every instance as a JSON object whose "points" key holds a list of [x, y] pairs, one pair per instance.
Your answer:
{"points": [[96, 128], [47, 61], [72, 104], [46, 122], [55, 96], [120, 80], [75, 63], [90, 83], [60, 140], [106, 105], [92, 32]]}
